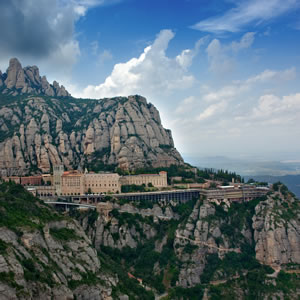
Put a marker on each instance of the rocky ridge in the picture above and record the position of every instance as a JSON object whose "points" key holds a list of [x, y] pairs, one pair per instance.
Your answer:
{"points": [[276, 225], [178, 249], [39, 132], [206, 247], [18, 81]]}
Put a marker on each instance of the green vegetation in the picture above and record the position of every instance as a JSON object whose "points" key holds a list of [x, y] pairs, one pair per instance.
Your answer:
{"points": [[3, 247], [64, 234], [19, 208], [87, 278], [142, 259], [95, 162], [188, 173], [9, 278], [126, 285], [195, 293], [132, 188]]}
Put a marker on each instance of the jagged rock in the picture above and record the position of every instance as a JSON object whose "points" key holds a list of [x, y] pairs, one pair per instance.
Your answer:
{"points": [[277, 231], [12, 73], [28, 80], [48, 134]]}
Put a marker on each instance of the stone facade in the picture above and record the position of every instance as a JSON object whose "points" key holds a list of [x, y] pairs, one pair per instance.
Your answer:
{"points": [[157, 180], [57, 174], [102, 183], [72, 183], [77, 183]]}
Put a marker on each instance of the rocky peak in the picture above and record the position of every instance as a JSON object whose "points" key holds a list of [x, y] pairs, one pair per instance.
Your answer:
{"points": [[18, 80], [41, 131]]}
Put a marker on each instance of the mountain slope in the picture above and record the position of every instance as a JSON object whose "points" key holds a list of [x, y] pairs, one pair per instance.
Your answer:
{"points": [[41, 126], [44, 255], [200, 249]]}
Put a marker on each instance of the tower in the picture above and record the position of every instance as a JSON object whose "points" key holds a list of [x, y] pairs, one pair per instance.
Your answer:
{"points": [[58, 171]]}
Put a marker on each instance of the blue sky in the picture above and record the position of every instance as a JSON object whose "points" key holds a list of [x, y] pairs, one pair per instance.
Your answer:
{"points": [[224, 74]]}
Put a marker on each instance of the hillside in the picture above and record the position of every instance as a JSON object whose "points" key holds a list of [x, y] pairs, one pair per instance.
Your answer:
{"points": [[200, 249], [42, 253], [38, 131], [190, 250]]}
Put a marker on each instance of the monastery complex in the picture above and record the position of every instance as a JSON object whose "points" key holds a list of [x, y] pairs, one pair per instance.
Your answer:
{"points": [[72, 183]]}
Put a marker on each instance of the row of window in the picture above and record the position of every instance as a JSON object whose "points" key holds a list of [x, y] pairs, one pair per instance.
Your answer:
{"points": [[100, 185]]}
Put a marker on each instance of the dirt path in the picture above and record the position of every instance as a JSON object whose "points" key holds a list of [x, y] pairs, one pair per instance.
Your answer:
{"points": [[292, 271], [237, 250]]}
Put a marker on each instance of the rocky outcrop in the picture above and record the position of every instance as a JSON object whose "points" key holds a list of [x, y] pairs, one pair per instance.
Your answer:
{"points": [[110, 230], [44, 255], [276, 225], [37, 133], [18, 81]]}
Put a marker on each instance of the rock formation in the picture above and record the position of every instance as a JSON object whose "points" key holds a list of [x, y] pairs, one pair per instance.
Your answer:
{"points": [[18, 81], [276, 225], [37, 133], [46, 256]]}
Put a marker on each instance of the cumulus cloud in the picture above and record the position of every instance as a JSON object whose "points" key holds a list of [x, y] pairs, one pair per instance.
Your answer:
{"points": [[246, 12], [240, 86], [228, 97], [222, 57], [273, 109], [153, 72]]}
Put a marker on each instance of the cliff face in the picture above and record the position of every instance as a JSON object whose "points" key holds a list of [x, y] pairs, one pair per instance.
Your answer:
{"points": [[181, 249], [39, 132], [205, 249], [44, 255], [276, 225], [18, 81]]}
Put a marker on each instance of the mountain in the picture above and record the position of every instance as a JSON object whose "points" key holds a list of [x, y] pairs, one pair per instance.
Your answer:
{"points": [[44, 255], [39, 131], [19, 81], [193, 250], [201, 250]]}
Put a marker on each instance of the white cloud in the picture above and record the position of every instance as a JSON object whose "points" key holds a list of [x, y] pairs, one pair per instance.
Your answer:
{"points": [[212, 110], [185, 58], [246, 12], [222, 57], [80, 7], [186, 105], [220, 62], [268, 75], [230, 93], [152, 73], [228, 104], [245, 42], [273, 109]]}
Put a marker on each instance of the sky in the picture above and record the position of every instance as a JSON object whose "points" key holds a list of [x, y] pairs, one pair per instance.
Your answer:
{"points": [[224, 74]]}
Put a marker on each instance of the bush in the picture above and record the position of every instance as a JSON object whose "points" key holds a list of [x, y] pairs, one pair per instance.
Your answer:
{"points": [[64, 234]]}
